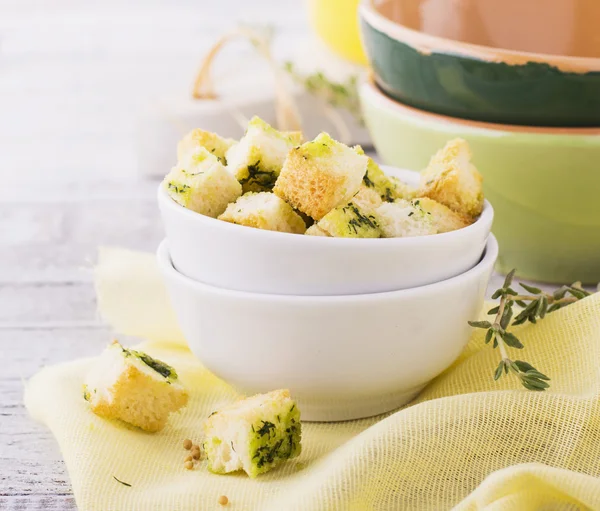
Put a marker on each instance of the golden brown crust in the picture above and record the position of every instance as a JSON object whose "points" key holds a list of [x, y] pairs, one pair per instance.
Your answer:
{"points": [[451, 179], [131, 394], [307, 187]]}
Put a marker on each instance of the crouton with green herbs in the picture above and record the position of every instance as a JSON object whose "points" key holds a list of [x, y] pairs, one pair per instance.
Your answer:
{"points": [[389, 188], [264, 210], [254, 435], [320, 175], [134, 387], [401, 218], [212, 142], [258, 157], [443, 218], [452, 180], [201, 183], [351, 221]]}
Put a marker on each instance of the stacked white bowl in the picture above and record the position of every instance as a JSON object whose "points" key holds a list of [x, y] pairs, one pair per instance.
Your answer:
{"points": [[353, 327]]}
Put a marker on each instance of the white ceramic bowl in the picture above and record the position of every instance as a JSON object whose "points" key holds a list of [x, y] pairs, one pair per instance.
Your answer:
{"points": [[343, 357], [245, 259]]}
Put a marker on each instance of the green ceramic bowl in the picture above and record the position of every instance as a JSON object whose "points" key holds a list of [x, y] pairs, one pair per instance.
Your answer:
{"points": [[544, 183], [472, 81]]}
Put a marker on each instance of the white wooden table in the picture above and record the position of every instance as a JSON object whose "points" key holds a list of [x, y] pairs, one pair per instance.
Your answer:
{"points": [[72, 74]]}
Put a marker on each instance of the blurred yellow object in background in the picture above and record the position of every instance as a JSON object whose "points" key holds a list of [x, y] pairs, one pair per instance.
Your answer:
{"points": [[336, 24]]}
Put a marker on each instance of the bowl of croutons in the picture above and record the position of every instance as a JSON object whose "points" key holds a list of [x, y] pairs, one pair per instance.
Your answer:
{"points": [[274, 214], [305, 265]]}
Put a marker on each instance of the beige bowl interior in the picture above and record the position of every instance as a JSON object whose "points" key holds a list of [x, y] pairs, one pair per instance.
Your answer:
{"points": [[552, 27]]}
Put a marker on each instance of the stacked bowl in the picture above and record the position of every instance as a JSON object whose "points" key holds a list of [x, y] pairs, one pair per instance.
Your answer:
{"points": [[353, 327], [520, 81]]}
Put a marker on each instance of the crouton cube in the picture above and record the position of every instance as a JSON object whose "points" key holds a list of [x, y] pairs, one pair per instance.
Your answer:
{"points": [[389, 188], [264, 210], [351, 221], [320, 175], [315, 230], [444, 219], [212, 142], [258, 157], [367, 198], [401, 190], [451, 179], [401, 219], [201, 183], [254, 435], [131, 386]]}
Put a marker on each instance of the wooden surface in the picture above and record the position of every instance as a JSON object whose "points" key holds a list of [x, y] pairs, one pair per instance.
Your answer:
{"points": [[72, 74]]}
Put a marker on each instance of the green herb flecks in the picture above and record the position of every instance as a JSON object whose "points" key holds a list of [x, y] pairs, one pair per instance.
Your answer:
{"points": [[266, 428], [122, 482], [358, 220], [179, 189], [258, 179], [160, 367], [534, 307]]}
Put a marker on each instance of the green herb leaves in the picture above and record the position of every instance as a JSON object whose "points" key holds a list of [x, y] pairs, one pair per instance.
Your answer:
{"points": [[534, 307]]}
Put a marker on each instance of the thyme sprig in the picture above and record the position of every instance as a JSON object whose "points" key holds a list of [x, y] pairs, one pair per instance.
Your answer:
{"points": [[534, 306]]}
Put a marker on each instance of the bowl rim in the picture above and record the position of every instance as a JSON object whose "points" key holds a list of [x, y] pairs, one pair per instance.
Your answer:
{"points": [[369, 86], [427, 44], [486, 262], [486, 217]]}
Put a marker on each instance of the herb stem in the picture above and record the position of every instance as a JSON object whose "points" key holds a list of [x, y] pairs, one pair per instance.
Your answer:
{"points": [[551, 299], [502, 348]]}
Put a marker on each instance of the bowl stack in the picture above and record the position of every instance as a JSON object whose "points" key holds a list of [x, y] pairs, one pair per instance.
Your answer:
{"points": [[520, 81], [353, 327]]}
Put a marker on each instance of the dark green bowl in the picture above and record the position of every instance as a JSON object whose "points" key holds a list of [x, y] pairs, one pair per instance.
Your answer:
{"points": [[477, 82]]}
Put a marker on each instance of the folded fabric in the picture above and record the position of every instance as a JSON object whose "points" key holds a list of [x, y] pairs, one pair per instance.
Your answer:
{"points": [[467, 442]]}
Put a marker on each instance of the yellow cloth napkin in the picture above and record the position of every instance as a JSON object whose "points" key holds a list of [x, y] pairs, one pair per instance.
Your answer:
{"points": [[466, 442]]}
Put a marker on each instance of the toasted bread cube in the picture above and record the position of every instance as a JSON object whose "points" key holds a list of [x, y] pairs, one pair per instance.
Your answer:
{"points": [[451, 179], [367, 198], [444, 219], [401, 190], [131, 386], [320, 175], [201, 183], [401, 219], [264, 210], [315, 230], [254, 435], [212, 142], [351, 221], [258, 157]]}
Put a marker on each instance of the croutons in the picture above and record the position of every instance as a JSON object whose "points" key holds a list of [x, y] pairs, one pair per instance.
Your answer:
{"points": [[389, 188], [367, 198], [212, 142], [254, 435], [134, 387], [264, 210], [258, 157], [320, 175], [201, 183], [451, 179], [443, 218], [350, 221], [402, 219], [315, 230]]}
